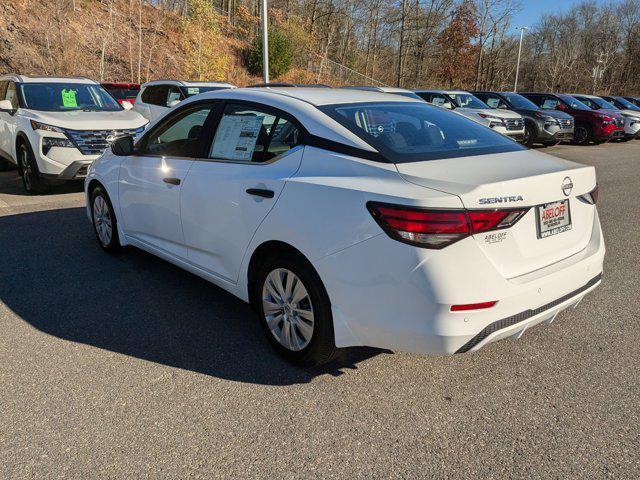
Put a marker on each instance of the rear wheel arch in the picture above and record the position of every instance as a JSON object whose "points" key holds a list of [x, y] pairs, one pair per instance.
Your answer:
{"points": [[268, 249]]}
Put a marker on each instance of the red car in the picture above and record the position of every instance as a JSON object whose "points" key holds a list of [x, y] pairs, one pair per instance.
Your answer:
{"points": [[123, 91], [595, 126]]}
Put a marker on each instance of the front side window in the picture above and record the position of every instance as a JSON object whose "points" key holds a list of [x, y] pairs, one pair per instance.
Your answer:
{"points": [[64, 97], [550, 103], [411, 132], [182, 136], [245, 134]]}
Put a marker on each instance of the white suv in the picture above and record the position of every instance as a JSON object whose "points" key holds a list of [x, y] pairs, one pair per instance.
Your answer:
{"points": [[53, 128], [506, 122], [156, 97]]}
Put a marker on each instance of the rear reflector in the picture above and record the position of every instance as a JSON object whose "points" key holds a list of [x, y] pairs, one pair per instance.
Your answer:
{"points": [[439, 228], [472, 306]]}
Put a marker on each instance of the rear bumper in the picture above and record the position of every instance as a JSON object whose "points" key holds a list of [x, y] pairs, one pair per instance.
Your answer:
{"points": [[390, 295]]}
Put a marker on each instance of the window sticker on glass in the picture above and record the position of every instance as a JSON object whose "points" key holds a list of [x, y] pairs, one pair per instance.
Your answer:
{"points": [[236, 137], [69, 98], [193, 90]]}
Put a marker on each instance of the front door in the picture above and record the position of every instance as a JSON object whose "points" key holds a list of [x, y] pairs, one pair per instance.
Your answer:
{"points": [[151, 182], [227, 195]]}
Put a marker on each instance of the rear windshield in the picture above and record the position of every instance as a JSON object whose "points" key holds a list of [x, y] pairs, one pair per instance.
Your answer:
{"points": [[413, 132], [122, 93], [191, 91]]}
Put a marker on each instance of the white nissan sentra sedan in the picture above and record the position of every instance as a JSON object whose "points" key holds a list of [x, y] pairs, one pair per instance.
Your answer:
{"points": [[355, 218]]}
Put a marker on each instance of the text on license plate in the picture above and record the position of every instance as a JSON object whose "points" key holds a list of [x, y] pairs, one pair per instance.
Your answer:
{"points": [[553, 218]]}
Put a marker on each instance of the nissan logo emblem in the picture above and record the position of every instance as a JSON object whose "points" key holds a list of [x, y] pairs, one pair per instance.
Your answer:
{"points": [[567, 186]]}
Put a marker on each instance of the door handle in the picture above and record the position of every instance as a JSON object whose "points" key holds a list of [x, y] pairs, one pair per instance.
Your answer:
{"points": [[260, 192], [171, 181]]}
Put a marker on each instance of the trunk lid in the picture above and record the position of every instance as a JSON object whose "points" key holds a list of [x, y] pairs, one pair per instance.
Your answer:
{"points": [[513, 180]]}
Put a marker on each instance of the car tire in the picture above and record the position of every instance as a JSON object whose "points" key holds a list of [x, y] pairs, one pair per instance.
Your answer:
{"points": [[103, 218], [32, 180], [529, 135], [583, 134], [294, 310]]}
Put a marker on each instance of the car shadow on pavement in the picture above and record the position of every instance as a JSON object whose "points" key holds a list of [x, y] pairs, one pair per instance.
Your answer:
{"points": [[54, 276]]}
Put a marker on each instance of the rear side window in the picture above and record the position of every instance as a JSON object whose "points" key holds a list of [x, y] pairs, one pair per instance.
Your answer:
{"points": [[155, 95], [413, 132]]}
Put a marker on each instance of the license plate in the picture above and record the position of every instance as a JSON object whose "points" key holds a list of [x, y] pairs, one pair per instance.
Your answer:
{"points": [[553, 218]]}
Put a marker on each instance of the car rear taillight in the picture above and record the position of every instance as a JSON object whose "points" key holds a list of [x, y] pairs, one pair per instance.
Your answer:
{"points": [[438, 228], [591, 198]]}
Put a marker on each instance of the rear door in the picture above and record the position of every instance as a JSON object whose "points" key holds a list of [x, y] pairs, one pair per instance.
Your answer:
{"points": [[151, 182], [228, 193]]}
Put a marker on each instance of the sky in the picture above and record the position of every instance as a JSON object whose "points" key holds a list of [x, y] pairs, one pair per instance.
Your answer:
{"points": [[532, 10]]}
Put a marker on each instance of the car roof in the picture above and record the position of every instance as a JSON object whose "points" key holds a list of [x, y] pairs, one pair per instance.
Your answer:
{"points": [[376, 88], [184, 83], [330, 96], [455, 92], [29, 79]]}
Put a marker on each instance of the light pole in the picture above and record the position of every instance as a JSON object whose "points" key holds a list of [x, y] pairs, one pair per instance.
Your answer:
{"points": [[265, 43], [522, 29]]}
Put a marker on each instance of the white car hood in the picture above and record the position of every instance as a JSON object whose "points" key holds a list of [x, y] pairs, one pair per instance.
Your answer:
{"points": [[79, 120]]}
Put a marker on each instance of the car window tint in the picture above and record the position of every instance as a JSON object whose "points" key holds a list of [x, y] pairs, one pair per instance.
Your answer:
{"points": [[251, 135], [3, 88], [413, 132], [181, 137]]}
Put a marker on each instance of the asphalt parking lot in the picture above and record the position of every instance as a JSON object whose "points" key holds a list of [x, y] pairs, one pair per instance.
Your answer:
{"points": [[128, 367]]}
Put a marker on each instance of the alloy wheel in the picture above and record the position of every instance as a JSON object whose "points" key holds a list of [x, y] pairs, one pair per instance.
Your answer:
{"points": [[102, 220], [287, 309], [26, 168], [581, 135]]}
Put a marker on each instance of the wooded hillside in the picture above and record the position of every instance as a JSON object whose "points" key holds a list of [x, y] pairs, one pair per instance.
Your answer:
{"points": [[412, 43]]}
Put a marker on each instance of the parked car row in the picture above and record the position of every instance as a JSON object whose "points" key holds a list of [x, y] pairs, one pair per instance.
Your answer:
{"points": [[53, 128]]}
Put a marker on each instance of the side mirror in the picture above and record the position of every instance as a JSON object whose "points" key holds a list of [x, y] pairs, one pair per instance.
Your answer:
{"points": [[173, 103], [560, 106], [126, 104], [447, 105], [7, 107], [123, 146]]}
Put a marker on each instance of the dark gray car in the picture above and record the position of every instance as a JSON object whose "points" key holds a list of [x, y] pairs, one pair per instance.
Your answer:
{"points": [[546, 127]]}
